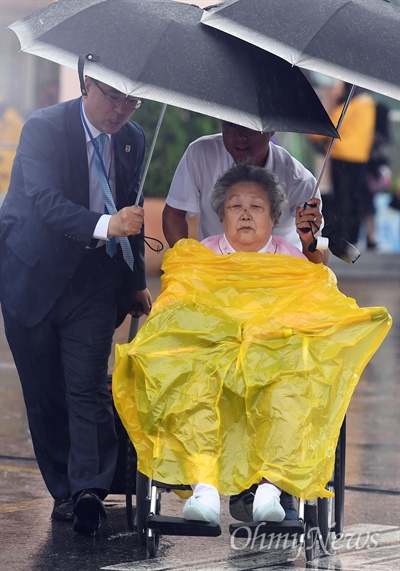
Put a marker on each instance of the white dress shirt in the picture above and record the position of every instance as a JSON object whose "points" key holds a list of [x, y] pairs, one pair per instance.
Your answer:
{"points": [[96, 200]]}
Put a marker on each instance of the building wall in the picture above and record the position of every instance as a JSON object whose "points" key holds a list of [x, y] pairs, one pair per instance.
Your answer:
{"points": [[27, 82]]}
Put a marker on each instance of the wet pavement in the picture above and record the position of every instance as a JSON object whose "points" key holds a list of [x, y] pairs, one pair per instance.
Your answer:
{"points": [[29, 541]]}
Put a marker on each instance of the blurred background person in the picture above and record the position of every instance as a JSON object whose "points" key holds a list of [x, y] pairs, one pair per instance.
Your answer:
{"points": [[349, 158], [379, 175]]}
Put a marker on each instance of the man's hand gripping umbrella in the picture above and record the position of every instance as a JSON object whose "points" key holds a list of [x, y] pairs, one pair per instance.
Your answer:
{"points": [[328, 238]]}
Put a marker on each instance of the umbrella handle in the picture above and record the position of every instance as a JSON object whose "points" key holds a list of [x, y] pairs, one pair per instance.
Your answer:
{"points": [[81, 66], [337, 245], [328, 152], [153, 144]]}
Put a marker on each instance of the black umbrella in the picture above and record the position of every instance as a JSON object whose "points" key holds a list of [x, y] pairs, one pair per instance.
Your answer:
{"points": [[357, 41], [156, 49]]}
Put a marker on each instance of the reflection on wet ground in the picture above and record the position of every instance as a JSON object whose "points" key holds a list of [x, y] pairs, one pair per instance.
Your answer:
{"points": [[373, 433]]}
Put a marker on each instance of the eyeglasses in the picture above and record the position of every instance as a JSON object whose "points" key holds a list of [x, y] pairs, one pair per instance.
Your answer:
{"points": [[130, 103]]}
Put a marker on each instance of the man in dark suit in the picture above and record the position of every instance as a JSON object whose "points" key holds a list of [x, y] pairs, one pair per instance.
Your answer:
{"points": [[63, 292]]}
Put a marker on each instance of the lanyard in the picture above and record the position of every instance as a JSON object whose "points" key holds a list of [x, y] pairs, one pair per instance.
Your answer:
{"points": [[95, 145]]}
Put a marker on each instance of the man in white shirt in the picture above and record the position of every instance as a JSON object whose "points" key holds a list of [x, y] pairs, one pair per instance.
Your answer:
{"points": [[207, 158], [203, 162]]}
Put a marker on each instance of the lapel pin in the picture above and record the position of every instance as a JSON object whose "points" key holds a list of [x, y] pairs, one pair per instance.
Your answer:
{"points": [[127, 148]]}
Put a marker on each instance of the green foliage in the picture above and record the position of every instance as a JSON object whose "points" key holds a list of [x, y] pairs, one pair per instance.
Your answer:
{"points": [[179, 128]]}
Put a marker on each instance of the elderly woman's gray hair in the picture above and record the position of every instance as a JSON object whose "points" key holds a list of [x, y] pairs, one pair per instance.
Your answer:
{"points": [[268, 180]]}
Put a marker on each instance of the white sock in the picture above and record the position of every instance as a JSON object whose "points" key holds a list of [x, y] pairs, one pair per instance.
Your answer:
{"points": [[207, 495], [264, 494]]}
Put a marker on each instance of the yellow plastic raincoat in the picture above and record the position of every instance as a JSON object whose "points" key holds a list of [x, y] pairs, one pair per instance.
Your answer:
{"points": [[244, 369]]}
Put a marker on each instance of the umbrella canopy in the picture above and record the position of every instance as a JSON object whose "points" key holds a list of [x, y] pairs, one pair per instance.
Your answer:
{"points": [[357, 41], [158, 50]]}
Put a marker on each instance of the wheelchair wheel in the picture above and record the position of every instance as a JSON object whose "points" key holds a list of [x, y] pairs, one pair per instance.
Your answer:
{"points": [[142, 506], [311, 530], [153, 536], [130, 483], [339, 479], [153, 540], [331, 510], [326, 522]]}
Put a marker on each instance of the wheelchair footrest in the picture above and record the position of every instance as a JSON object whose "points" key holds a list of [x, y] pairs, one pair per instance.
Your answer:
{"points": [[165, 525], [255, 529]]}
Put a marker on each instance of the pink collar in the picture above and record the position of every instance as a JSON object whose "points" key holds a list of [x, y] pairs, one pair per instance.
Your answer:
{"points": [[225, 247]]}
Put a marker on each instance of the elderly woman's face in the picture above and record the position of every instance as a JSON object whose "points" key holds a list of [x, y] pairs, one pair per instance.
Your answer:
{"points": [[247, 218]]}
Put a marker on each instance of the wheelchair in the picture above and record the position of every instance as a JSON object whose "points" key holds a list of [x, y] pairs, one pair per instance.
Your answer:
{"points": [[317, 523]]}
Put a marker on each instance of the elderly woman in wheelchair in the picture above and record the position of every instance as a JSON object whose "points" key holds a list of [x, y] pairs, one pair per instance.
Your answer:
{"points": [[249, 202], [244, 370]]}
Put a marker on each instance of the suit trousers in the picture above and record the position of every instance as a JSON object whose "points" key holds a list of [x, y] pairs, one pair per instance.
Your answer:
{"points": [[62, 363]]}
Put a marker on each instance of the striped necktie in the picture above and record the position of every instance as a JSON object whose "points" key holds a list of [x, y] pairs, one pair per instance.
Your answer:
{"points": [[111, 246]]}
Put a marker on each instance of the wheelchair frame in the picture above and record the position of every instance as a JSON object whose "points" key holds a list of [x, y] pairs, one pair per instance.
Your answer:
{"points": [[319, 521]]}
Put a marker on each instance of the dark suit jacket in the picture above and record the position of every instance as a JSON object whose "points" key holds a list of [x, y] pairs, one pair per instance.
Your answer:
{"points": [[45, 221]]}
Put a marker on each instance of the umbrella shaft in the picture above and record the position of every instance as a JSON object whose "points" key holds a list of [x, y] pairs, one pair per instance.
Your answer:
{"points": [[153, 144], [328, 152]]}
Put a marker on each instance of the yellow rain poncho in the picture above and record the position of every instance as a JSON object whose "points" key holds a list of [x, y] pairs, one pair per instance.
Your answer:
{"points": [[244, 369]]}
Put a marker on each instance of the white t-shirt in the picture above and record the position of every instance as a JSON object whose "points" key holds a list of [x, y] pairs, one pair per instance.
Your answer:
{"points": [[206, 159]]}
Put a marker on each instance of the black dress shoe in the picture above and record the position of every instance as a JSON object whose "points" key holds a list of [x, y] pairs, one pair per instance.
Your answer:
{"points": [[241, 505], [63, 510], [89, 510]]}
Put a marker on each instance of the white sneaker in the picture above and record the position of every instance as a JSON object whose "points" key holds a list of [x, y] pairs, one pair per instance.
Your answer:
{"points": [[195, 510], [271, 511]]}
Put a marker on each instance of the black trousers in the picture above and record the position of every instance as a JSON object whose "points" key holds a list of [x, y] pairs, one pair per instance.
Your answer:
{"points": [[62, 363], [349, 191]]}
